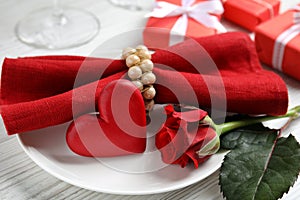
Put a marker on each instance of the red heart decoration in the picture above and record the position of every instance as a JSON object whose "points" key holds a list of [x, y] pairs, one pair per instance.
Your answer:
{"points": [[119, 129]]}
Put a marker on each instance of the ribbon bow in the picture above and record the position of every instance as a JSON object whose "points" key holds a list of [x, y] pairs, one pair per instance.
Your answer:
{"points": [[284, 38], [200, 12]]}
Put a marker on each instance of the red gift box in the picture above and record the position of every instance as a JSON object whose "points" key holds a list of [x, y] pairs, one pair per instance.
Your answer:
{"points": [[174, 20], [277, 42], [250, 13]]}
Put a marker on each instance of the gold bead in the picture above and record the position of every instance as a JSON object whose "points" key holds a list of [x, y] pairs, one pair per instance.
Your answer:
{"points": [[131, 60], [149, 93], [146, 65], [148, 78], [143, 54], [127, 52], [134, 72], [138, 84], [141, 47], [149, 104]]}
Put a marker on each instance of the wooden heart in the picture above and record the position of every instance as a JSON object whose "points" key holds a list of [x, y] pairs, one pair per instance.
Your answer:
{"points": [[119, 129]]}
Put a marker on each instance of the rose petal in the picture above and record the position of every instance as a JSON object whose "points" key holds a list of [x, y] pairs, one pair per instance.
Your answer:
{"points": [[182, 137], [195, 158], [193, 115]]}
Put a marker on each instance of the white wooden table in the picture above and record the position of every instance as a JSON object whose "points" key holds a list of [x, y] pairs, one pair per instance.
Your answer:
{"points": [[20, 177]]}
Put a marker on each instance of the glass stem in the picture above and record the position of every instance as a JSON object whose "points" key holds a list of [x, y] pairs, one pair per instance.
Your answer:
{"points": [[229, 126], [58, 15]]}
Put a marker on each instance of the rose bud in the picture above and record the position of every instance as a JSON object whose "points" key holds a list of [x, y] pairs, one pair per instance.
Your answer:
{"points": [[187, 137]]}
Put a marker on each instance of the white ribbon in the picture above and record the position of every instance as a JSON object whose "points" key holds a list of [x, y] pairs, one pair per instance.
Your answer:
{"points": [[283, 39], [266, 4], [200, 12]]}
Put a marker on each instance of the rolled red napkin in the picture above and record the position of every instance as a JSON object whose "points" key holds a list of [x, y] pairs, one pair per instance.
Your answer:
{"points": [[41, 89]]}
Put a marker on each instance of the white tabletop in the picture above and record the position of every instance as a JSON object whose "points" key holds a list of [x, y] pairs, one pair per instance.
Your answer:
{"points": [[20, 177]]}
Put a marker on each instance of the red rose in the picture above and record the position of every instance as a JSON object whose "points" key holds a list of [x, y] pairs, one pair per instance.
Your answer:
{"points": [[183, 139]]}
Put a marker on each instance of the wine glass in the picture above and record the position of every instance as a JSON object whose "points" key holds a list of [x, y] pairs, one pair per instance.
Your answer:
{"points": [[134, 4], [57, 27]]}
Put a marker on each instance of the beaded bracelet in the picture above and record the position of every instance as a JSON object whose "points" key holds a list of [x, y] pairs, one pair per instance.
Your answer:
{"points": [[140, 72]]}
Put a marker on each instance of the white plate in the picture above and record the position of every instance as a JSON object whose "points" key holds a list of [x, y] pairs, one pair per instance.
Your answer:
{"points": [[48, 149], [128, 175]]}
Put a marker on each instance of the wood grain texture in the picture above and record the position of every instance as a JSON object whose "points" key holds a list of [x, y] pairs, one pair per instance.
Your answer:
{"points": [[21, 178]]}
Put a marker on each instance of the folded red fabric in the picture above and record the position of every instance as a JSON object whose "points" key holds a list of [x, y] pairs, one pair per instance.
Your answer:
{"points": [[41, 89]]}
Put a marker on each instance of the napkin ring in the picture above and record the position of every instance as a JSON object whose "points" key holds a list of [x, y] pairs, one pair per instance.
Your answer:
{"points": [[138, 60]]}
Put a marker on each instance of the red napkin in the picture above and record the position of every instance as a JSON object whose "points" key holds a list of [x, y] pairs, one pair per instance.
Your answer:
{"points": [[37, 92]]}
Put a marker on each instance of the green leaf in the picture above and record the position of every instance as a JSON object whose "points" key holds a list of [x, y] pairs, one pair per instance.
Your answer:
{"points": [[253, 134], [262, 171]]}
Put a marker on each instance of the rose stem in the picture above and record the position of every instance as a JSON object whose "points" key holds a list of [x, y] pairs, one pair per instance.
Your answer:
{"points": [[229, 126]]}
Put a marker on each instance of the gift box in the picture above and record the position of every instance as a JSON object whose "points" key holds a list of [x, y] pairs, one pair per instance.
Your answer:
{"points": [[277, 42], [250, 13], [172, 21]]}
